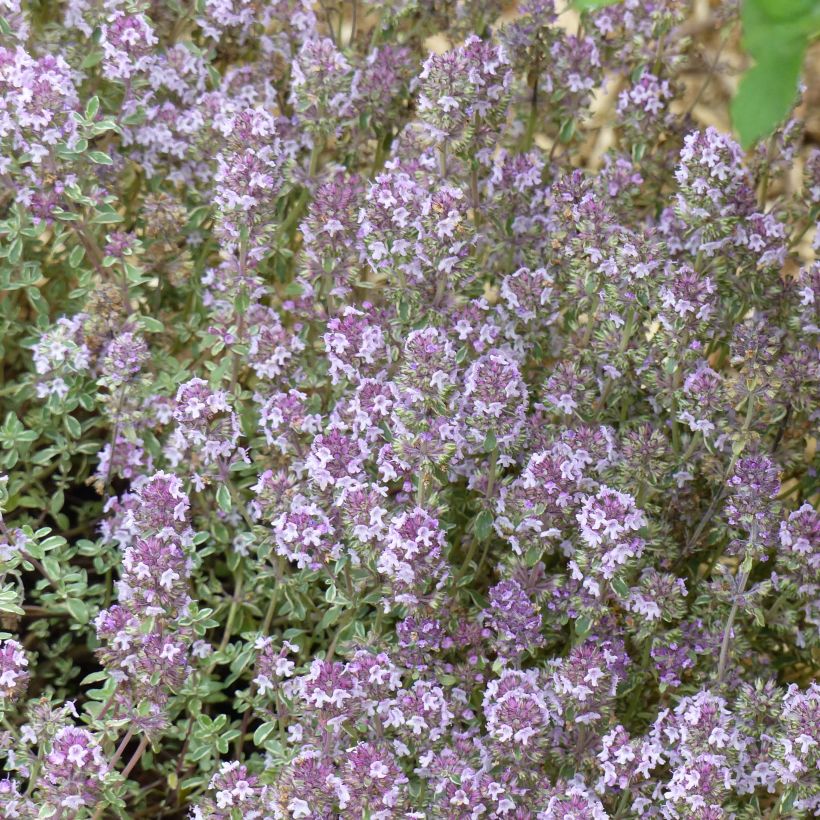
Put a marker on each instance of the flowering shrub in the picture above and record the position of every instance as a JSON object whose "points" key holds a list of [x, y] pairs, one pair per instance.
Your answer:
{"points": [[376, 447]]}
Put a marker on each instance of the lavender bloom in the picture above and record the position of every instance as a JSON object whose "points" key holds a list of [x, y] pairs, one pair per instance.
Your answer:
{"points": [[494, 401], [304, 534], [329, 230], [155, 577], [715, 187], [412, 560], [381, 82], [39, 97], [625, 760], [249, 173], [308, 786], [272, 664], [751, 507], [800, 542], [234, 790], [14, 674], [428, 371], [567, 388], [206, 424], [514, 620], [687, 301], [355, 345], [221, 16], [586, 681], [797, 750], [607, 520], [13, 801], [519, 711], [161, 508], [463, 91], [373, 782], [73, 770], [658, 597], [127, 41], [61, 353], [122, 359], [284, 418], [322, 86], [571, 801]]}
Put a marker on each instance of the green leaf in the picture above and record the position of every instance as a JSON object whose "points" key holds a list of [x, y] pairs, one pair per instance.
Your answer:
{"points": [[76, 256], [8, 600], [151, 325], [223, 498], [92, 107], [766, 95], [776, 34], [620, 587], [94, 677], [582, 626], [73, 426], [77, 609], [483, 525], [329, 618], [100, 157], [92, 59], [106, 218]]}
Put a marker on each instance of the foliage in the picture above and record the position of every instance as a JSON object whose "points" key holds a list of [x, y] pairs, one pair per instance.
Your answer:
{"points": [[776, 34], [370, 448]]}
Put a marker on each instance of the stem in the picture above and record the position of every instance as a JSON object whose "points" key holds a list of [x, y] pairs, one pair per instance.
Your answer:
{"points": [[693, 445], [39, 567], [475, 195], [107, 705], [135, 757], [269, 615], [343, 624], [115, 432], [710, 74], [590, 321], [121, 748], [491, 471], [533, 117], [727, 632], [421, 488], [442, 160], [483, 558], [466, 563], [240, 741], [776, 606], [240, 333], [623, 802], [315, 154], [629, 330], [639, 692], [719, 496], [354, 21], [226, 635]]}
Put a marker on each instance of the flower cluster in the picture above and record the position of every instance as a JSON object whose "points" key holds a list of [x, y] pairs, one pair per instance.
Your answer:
{"points": [[407, 410]]}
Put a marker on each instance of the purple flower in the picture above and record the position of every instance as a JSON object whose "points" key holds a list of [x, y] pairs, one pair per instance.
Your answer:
{"points": [[304, 534], [322, 85], [14, 674], [514, 620], [463, 86], [495, 400], [607, 522], [412, 560]]}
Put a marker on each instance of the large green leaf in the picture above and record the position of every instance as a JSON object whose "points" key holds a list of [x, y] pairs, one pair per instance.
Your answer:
{"points": [[776, 34]]}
